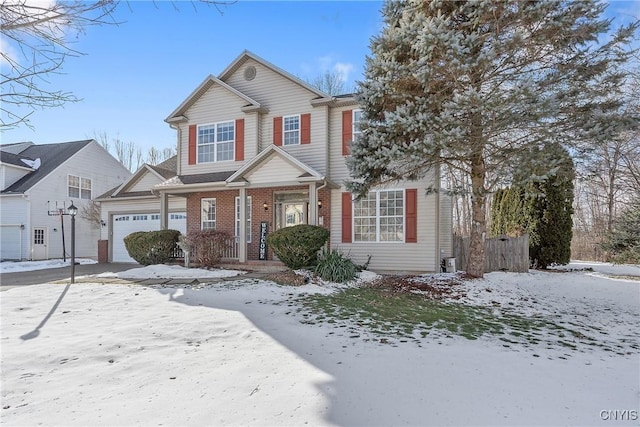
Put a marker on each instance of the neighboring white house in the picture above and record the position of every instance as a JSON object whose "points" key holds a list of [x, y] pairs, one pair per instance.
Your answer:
{"points": [[36, 180], [258, 146], [133, 206]]}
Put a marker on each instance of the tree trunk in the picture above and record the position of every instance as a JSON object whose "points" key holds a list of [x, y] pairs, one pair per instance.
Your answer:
{"points": [[475, 265]]}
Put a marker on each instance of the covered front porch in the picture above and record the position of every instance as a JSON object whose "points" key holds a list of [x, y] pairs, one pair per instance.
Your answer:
{"points": [[272, 191]]}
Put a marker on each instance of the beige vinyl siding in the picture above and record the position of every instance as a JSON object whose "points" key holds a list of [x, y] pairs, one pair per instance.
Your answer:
{"points": [[9, 175], [394, 256], [91, 162], [275, 170], [338, 170], [283, 97], [145, 182], [216, 105]]}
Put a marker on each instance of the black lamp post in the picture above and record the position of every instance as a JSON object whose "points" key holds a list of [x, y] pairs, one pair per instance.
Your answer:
{"points": [[73, 211]]}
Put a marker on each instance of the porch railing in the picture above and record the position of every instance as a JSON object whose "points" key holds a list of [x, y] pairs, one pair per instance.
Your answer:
{"points": [[231, 252]]}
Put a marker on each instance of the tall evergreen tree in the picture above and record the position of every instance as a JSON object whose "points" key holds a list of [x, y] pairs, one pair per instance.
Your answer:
{"points": [[623, 243], [472, 84]]}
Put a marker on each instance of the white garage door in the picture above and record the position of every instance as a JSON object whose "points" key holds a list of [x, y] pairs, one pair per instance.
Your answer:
{"points": [[123, 225], [11, 242]]}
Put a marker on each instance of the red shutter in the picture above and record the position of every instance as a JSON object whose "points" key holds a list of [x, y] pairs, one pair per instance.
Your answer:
{"points": [[193, 132], [277, 131], [411, 215], [305, 129], [346, 218], [239, 139], [347, 131]]}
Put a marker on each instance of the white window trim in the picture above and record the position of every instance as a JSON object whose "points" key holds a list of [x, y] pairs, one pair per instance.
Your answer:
{"points": [[215, 213], [80, 181], [299, 130], [377, 240], [248, 210], [216, 142], [355, 131]]}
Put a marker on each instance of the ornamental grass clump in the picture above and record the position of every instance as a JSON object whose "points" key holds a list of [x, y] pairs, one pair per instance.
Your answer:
{"points": [[298, 246], [334, 266]]}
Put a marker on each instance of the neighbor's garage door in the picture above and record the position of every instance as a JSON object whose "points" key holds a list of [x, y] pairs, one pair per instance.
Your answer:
{"points": [[123, 225]]}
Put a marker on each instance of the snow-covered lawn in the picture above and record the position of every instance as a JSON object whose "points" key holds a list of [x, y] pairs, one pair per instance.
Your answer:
{"points": [[171, 271], [238, 353], [18, 266]]}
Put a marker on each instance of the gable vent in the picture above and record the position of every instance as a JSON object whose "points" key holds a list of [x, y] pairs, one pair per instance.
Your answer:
{"points": [[249, 73]]}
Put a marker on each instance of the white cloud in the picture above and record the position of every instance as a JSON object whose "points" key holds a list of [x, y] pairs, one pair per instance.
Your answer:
{"points": [[343, 69]]}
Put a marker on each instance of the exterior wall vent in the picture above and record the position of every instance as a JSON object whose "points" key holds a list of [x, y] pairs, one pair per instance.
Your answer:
{"points": [[249, 73]]}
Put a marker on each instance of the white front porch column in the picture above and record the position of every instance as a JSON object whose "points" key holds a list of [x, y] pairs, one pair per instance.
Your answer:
{"points": [[164, 211], [242, 232], [313, 204]]}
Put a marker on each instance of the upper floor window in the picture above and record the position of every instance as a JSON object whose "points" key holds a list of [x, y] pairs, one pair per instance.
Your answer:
{"points": [[291, 130], [379, 217], [79, 188], [216, 142], [208, 213], [356, 131]]}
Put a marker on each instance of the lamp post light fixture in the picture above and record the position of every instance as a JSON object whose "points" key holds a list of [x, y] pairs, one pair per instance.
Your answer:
{"points": [[73, 211]]}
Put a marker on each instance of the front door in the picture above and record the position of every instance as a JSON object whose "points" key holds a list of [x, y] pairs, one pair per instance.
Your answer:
{"points": [[291, 208], [294, 214], [39, 243]]}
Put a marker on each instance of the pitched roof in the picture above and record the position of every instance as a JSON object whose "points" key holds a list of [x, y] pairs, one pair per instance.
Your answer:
{"points": [[51, 156], [246, 55], [178, 113], [305, 170], [166, 170], [14, 159]]}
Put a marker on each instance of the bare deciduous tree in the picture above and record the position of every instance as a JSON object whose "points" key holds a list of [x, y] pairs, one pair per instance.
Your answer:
{"points": [[37, 38], [37, 42], [331, 83]]}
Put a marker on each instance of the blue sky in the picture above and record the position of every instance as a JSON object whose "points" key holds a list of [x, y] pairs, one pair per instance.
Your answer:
{"points": [[135, 74]]}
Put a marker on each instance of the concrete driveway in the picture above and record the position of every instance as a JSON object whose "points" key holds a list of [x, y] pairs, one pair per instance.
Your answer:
{"points": [[23, 278]]}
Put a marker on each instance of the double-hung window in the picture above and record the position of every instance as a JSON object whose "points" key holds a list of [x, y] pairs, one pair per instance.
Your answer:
{"points": [[379, 217], [356, 132], [208, 214], [291, 134], [248, 218], [216, 142], [79, 188]]}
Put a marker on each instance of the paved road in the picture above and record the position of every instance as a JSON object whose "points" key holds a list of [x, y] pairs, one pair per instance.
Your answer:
{"points": [[9, 280]]}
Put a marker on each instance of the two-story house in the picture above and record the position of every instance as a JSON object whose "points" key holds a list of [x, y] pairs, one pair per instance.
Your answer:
{"points": [[259, 149], [39, 181]]}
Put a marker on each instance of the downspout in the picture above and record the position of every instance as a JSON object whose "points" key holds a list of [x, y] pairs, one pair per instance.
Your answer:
{"points": [[318, 198], [178, 148]]}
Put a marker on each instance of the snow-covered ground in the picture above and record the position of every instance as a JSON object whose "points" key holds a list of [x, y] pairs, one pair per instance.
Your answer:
{"points": [[171, 271], [238, 354], [18, 266]]}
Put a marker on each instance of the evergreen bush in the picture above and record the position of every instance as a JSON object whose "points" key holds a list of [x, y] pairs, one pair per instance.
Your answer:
{"points": [[206, 247], [623, 243], [540, 205], [151, 247], [298, 246]]}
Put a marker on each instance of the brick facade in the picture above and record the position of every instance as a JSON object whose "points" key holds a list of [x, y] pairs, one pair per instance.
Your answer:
{"points": [[226, 215]]}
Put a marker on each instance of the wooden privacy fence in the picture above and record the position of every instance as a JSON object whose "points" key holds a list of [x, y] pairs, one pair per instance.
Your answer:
{"points": [[501, 253]]}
